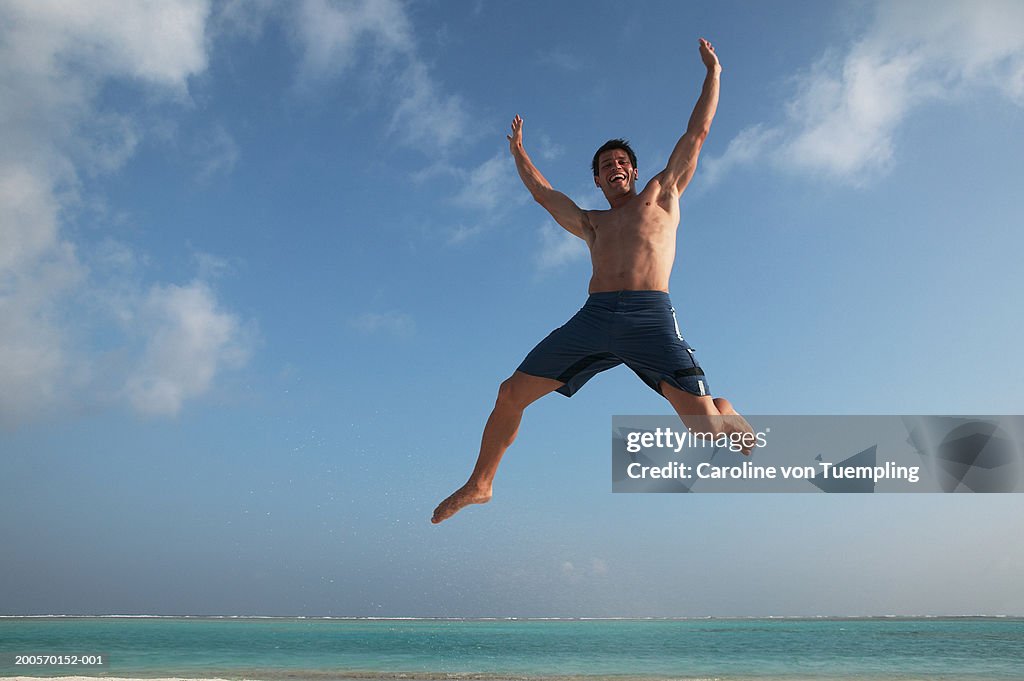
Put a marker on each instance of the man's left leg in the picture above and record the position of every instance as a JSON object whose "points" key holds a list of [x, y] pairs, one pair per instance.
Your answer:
{"points": [[514, 395], [704, 414]]}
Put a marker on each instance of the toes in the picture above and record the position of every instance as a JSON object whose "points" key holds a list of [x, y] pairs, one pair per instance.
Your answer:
{"points": [[455, 503], [445, 510], [439, 512]]}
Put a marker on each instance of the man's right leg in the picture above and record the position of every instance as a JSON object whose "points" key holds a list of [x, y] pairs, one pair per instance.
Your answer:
{"points": [[515, 394]]}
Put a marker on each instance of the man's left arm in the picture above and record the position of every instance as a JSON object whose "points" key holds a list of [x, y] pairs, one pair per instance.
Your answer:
{"points": [[683, 162]]}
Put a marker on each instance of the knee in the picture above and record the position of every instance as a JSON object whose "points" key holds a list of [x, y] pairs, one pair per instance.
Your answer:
{"points": [[509, 395], [724, 406]]}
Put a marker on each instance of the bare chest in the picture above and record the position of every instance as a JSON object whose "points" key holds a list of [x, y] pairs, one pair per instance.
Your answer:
{"points": [[642, 222]]}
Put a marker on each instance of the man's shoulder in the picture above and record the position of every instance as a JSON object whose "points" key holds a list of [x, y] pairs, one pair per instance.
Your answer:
{"points": [[596, 216], [660, 189]]}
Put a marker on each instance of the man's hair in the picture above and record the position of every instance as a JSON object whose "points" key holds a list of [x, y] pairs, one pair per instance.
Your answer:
{"points": [[614, 144]]}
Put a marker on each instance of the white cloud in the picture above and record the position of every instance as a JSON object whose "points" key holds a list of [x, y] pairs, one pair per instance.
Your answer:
{"points": [[55, 55], [846, 120], [332, 36], [558, 248], [111, 255], [561, 59], [54, 59], [189, 340], [550, 150], [463, 233], [846, 110], [28, 221], [217, 152], [492, 186], [37, 269], [104, 142], [487, 193], [746, 147], [332, 32], [158, 42], [245, 18], [574, 573], [211, 267], [393, 323], [425, 116], [377, 37]]}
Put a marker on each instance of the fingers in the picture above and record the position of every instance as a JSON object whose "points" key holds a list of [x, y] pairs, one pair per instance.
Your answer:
{"points": [[517, 128], [707, 54]]}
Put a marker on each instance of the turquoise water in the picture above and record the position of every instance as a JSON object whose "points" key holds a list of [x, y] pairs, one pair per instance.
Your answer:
{"points": [[280, 648]]}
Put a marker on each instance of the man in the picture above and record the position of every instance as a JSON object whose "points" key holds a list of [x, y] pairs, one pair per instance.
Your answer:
{"points": [[628, 317]]}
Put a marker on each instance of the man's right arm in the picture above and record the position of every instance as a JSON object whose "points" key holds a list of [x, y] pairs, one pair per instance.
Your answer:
{"points": [[563, 209]]}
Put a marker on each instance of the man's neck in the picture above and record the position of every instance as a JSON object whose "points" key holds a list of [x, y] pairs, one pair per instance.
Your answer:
{"points": [[622, 200]]}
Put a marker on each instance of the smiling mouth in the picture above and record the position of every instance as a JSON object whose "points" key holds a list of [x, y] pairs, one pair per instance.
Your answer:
{"points": [[617, 177]]}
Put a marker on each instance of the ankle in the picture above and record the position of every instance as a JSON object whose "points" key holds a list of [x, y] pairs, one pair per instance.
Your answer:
{"points": [[478, 487]]}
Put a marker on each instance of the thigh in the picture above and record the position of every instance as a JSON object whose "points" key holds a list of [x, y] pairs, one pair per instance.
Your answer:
{"points": [[524, 389], [652, 346], [573, 353]]}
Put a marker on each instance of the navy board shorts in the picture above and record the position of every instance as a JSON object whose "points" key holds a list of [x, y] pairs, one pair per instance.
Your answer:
{"points": [[635, 328]]}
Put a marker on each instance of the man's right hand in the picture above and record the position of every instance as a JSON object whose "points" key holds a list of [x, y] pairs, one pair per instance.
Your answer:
{"points": [[515, 140]]}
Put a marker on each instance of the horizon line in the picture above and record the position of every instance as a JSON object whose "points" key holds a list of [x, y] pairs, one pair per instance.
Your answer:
{"points": [[513, 617]]}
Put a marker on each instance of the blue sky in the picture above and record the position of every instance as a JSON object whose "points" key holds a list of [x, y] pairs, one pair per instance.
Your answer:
{"points": [[264, 265]]}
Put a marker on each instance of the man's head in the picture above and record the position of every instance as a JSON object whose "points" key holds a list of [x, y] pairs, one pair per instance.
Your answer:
{"points": [[614, 167], [609, 146]]}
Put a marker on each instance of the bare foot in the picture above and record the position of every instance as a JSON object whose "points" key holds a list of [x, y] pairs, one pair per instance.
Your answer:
{"points": [[463, 496], [737, 426], [734, 423]]}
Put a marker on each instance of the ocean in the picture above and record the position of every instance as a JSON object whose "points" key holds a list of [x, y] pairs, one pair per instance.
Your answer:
{"points": [[976, 648]]}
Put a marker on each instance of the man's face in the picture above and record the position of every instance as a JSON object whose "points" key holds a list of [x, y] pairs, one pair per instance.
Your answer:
{"points": [[615, 173]]}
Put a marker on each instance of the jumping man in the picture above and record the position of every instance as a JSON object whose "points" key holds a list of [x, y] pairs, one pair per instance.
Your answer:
{"points": [[628, 317]]}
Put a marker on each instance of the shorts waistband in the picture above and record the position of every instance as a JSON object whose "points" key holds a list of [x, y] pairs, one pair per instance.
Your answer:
{"points": [[602, 296], [627, 301]]}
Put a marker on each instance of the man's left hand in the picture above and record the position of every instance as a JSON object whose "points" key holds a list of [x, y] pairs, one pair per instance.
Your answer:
{"points": [[708, 56]]}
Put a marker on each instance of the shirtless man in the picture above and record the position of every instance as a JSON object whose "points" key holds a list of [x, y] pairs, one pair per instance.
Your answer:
{"points": [[628, 317]]}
